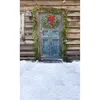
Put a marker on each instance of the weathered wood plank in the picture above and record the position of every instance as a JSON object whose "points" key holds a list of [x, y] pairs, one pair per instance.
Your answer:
{"points": [[72, 38], [26, 48], [25, 43], [29, 37], [27, 58], [72, 42], [29, 24], [74, 18], [75, 27], [24, 54], [22, 42], [73, 8], [73, 35], [73, 48], [28, 20], [73, 14], [69, 8], [71, 58], [73, 45], [44, 2], [22, 25], [74, 23], [26, 34], [28, 30], [29, 42], [73, 30], [72, 53]]}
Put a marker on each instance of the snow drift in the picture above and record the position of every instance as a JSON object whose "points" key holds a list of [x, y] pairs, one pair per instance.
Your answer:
{"points": [[49, 81]]}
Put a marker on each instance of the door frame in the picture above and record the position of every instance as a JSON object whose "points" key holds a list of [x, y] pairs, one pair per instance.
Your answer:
{"points": [[35, 12], [40, 36]]}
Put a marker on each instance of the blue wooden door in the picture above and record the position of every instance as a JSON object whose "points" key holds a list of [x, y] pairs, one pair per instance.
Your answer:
{"points": [[50, 39]]}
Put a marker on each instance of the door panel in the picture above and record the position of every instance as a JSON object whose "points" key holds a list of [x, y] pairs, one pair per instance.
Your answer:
{"points": [[54, 48], [45, 47], [45, 33]]}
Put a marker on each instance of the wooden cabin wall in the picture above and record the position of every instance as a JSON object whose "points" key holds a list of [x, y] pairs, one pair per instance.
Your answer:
{"points": [[73, 35]]}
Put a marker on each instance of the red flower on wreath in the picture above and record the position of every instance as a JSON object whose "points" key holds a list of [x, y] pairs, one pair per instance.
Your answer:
{"points": [[51, 18]]}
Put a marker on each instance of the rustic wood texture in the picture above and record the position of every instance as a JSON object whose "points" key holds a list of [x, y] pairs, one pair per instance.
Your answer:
{"points": [[72, 36], [70, 42], [27, 58], [46, 2], [69, 8], [26, 48], [27, 54], [73, 53]]}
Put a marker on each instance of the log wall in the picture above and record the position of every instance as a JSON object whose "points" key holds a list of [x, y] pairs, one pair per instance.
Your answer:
{"points": [[72, 37]]}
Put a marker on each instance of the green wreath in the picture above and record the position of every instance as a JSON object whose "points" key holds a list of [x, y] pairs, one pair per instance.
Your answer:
{"points": [[46, 22]]}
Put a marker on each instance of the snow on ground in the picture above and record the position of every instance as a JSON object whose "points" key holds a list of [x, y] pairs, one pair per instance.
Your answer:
{"points": [[49, 81]]}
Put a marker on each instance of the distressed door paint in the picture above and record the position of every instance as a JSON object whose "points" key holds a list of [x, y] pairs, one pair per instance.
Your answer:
{"points": [[50, 40]]}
